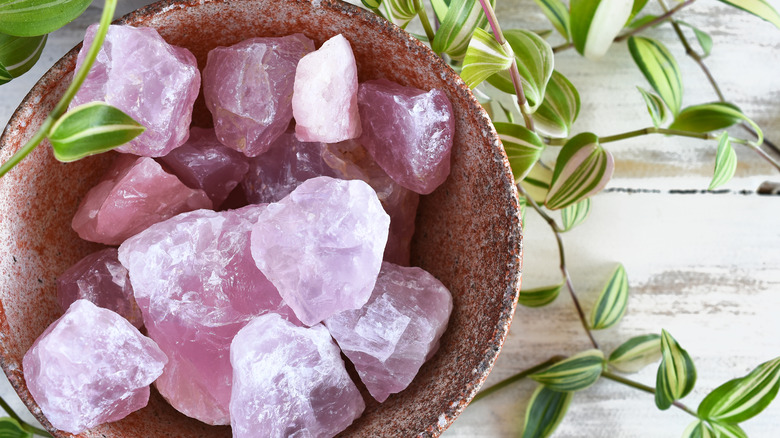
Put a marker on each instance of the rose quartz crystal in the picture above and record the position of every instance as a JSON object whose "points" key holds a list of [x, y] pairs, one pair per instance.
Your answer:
{"points": [[90, 367], [134, 194], [325, 99], [351, 161], [408, 132], [399, 328], [152, 81], [288, 163], [248, 89], [204, 163], [101, 279], [289, 381], [322, 246], [197, 285]]}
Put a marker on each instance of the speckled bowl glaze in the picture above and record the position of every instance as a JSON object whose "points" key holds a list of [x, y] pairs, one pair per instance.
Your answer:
{"points": [[468, 231]]}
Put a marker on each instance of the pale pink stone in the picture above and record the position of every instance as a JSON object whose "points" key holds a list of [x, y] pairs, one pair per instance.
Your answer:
{"points": [[351, 161], [197, 285], [408, 132], [134, 194], [289, 381], [287, 164], [248, 89], [204, 163], [152, 81], [101, 279], [399, 328], [90, 367], [322, 246], [325, 99]]}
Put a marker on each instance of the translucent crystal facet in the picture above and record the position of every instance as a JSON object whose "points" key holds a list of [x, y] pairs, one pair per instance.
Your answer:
{"points": [[197, 285], [91, 367], [134, 194], [408, 132], [150, 80], [289, 381], [325, 99], [101, 279], [399, 328], [322, 246], [204, 163], [249, 87]]}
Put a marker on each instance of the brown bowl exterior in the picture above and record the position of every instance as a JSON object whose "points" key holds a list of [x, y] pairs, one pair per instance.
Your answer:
{"points": [[468, 230]]}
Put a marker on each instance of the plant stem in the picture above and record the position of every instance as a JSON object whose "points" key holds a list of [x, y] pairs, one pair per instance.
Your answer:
{"points": [[654, 130], [645, 388], [519, 376], [62, 105], [28, 427], [655, 21], [426, 23], [562, 257]]}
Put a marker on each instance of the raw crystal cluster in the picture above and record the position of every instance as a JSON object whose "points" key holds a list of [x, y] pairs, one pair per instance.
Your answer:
{"points": [[399, 328], [408, 132], [197, 285], [249, 88], [134, 194], [322, 246], [325, 99], [152, 81], [204, 163], [289, 381], [101, 279], [90, 367]]}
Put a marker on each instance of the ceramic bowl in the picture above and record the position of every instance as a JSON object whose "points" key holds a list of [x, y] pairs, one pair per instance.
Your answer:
{"points": [[468, 231]]}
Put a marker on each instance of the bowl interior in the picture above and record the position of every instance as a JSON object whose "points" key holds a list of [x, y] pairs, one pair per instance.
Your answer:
{"points": [[468, 231]]}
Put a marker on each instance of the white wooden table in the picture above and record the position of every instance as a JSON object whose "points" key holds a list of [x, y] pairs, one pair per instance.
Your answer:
{"points": [[705, 267]]}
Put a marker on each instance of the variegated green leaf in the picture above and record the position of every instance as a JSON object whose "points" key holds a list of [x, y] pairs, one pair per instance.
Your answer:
{"points": [[454, 34], [440, 8], [574, 373], [372, 4], [523, 147], [659, 68], [38, 17], [5, 76], [595, 23], [558, 14], [537, 183], [698, 429], [10, 428], [545, 412], [575, 214], [484, 57], [559, 109], [540, 296], [522, 203], [582, 169], [725, 162], [724, 430], [19, 54], [704, 39], [676, 373], [636, 8], [535, 61], [636, 353], [613, 301], [90, 129], [710, 117], [759, 8], [655, 106], [641, 21], [741, 399], [400, 12]]}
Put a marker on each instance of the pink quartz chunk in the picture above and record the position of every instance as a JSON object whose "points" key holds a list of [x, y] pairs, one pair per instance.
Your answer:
{"points": [[322, 246], [134, 194], [399, 328], [91, 367], [288, 163], [408, 132], [325, 100], [152, 81], [101, 279], [204, 163], [197, 285], [249, 87], [289, 381], [351, 161]]}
